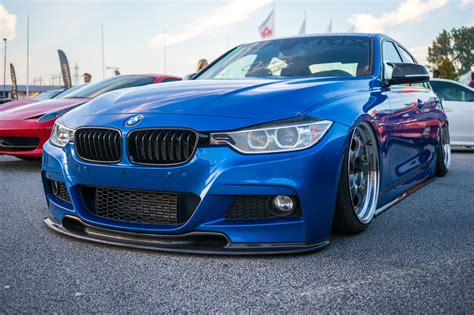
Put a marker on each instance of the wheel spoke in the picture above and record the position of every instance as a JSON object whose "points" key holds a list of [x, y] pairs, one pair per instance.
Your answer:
{"points": [[362, 167]]}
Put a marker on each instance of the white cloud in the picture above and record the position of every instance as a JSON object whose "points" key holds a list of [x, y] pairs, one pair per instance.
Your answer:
{"points": [[420, 53], [409, 10], [463, 3], [7, 23], [232, 12]]}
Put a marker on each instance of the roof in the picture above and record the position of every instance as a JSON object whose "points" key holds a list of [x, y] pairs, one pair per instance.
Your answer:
{"points": [[321, 35]]}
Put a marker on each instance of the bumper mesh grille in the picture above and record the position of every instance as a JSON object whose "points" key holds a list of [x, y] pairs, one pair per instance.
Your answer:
{"points": [[98, 144], [254, 207], [60, 191], [161, 146], [134, 206]]}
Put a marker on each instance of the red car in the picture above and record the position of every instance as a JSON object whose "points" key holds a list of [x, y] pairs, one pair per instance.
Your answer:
{"points": [[24, 128]]}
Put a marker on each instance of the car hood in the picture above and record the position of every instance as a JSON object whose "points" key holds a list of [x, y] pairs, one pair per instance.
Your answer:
{"points": [[16, 103], [260, 100], [29, 110]]}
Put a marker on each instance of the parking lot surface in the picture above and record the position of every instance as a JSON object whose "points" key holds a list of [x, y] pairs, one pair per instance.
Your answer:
{"points": [[418, 257]]}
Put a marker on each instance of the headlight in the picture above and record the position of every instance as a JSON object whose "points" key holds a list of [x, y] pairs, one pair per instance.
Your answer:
{"points": [[284, 137], [61, 135]]}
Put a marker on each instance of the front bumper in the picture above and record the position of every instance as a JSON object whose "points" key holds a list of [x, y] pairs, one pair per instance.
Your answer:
{"points": [[193, 242], [25, 128], [217, 175]]}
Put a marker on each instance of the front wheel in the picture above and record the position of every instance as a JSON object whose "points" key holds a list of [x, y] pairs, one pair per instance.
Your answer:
{"points": [[444, 153], [358, 183]]}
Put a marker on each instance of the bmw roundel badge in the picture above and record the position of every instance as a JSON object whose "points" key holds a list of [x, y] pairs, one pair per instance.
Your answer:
{"points": [[132, 121]]}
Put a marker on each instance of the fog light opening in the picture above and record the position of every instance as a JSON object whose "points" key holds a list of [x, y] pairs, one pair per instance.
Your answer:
{"points": [[282, 205], [55, 187]]}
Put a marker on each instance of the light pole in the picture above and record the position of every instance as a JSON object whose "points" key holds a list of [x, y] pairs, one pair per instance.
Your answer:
{"points": [[4, 66]]}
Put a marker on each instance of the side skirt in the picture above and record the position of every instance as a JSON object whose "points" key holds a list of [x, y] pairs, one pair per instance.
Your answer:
{"points": [[403, 196]]}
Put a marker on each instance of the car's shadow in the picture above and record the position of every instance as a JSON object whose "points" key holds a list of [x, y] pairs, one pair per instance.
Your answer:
{"points": [[13, 163]]}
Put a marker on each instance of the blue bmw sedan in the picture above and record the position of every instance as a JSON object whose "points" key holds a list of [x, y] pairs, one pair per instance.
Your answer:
{"points": [[267, 150]]}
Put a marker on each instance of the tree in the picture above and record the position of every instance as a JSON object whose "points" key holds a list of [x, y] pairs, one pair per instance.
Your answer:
{"points": [[457, 46], [463, 47], [447, 69]]}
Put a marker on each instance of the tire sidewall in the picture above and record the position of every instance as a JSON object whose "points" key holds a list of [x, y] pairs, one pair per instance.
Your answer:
{"points": [[345, 217]]}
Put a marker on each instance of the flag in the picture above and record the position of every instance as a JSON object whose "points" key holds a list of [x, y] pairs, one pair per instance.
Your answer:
{"points": [[303, 26], [65, 69], [14, 84], [267, 28], [352, 29], [329, 29]]}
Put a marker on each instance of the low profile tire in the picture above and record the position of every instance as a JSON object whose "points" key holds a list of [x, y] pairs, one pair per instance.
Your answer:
{"points": [[358, 183], [28, 158], [444, 153]]}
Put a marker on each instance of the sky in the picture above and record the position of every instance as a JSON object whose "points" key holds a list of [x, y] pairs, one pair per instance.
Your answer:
{"points": [[135, 31]]}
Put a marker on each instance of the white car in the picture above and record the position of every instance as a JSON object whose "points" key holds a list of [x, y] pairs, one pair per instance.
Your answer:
{"points": [[458, 103]]}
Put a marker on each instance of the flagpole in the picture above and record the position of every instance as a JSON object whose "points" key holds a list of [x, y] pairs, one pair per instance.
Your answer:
{"points": [[103, 54], [164, 51], [27, 55], [305, 21], [274, 16], [4, 66]]}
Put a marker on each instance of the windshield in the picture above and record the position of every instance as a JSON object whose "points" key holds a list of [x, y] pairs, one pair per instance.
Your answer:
{"points": [[323, 56], [119, 82], [66, 92], [47, 95]]}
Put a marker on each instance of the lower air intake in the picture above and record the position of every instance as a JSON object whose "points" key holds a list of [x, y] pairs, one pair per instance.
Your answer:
{"points": [[146, 207], [17, 144], [59, 190], [256, 207]]}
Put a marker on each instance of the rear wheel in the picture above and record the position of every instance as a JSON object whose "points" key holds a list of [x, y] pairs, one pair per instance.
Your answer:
{"points": [[444, 153], [359, 183]]}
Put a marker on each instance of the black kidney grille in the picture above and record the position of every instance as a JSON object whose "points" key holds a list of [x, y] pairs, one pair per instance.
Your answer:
{"points": [[98, 144], [161, 146]]}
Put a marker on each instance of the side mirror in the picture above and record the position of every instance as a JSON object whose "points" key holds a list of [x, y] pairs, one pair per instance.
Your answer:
{"points": [[189, 76], [404, 73]]}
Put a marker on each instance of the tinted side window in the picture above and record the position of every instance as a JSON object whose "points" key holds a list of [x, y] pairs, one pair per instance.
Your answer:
{"points": [[136, 82], [169, 80], [390, 53], [452, 92], [405, 55]]}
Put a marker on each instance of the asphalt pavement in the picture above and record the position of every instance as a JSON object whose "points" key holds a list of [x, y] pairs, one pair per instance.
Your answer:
{"points": [[416, 257]]}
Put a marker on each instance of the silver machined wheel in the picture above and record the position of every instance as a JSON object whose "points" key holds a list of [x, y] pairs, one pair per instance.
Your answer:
{"points": [[364, 175], [446, 143]]}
